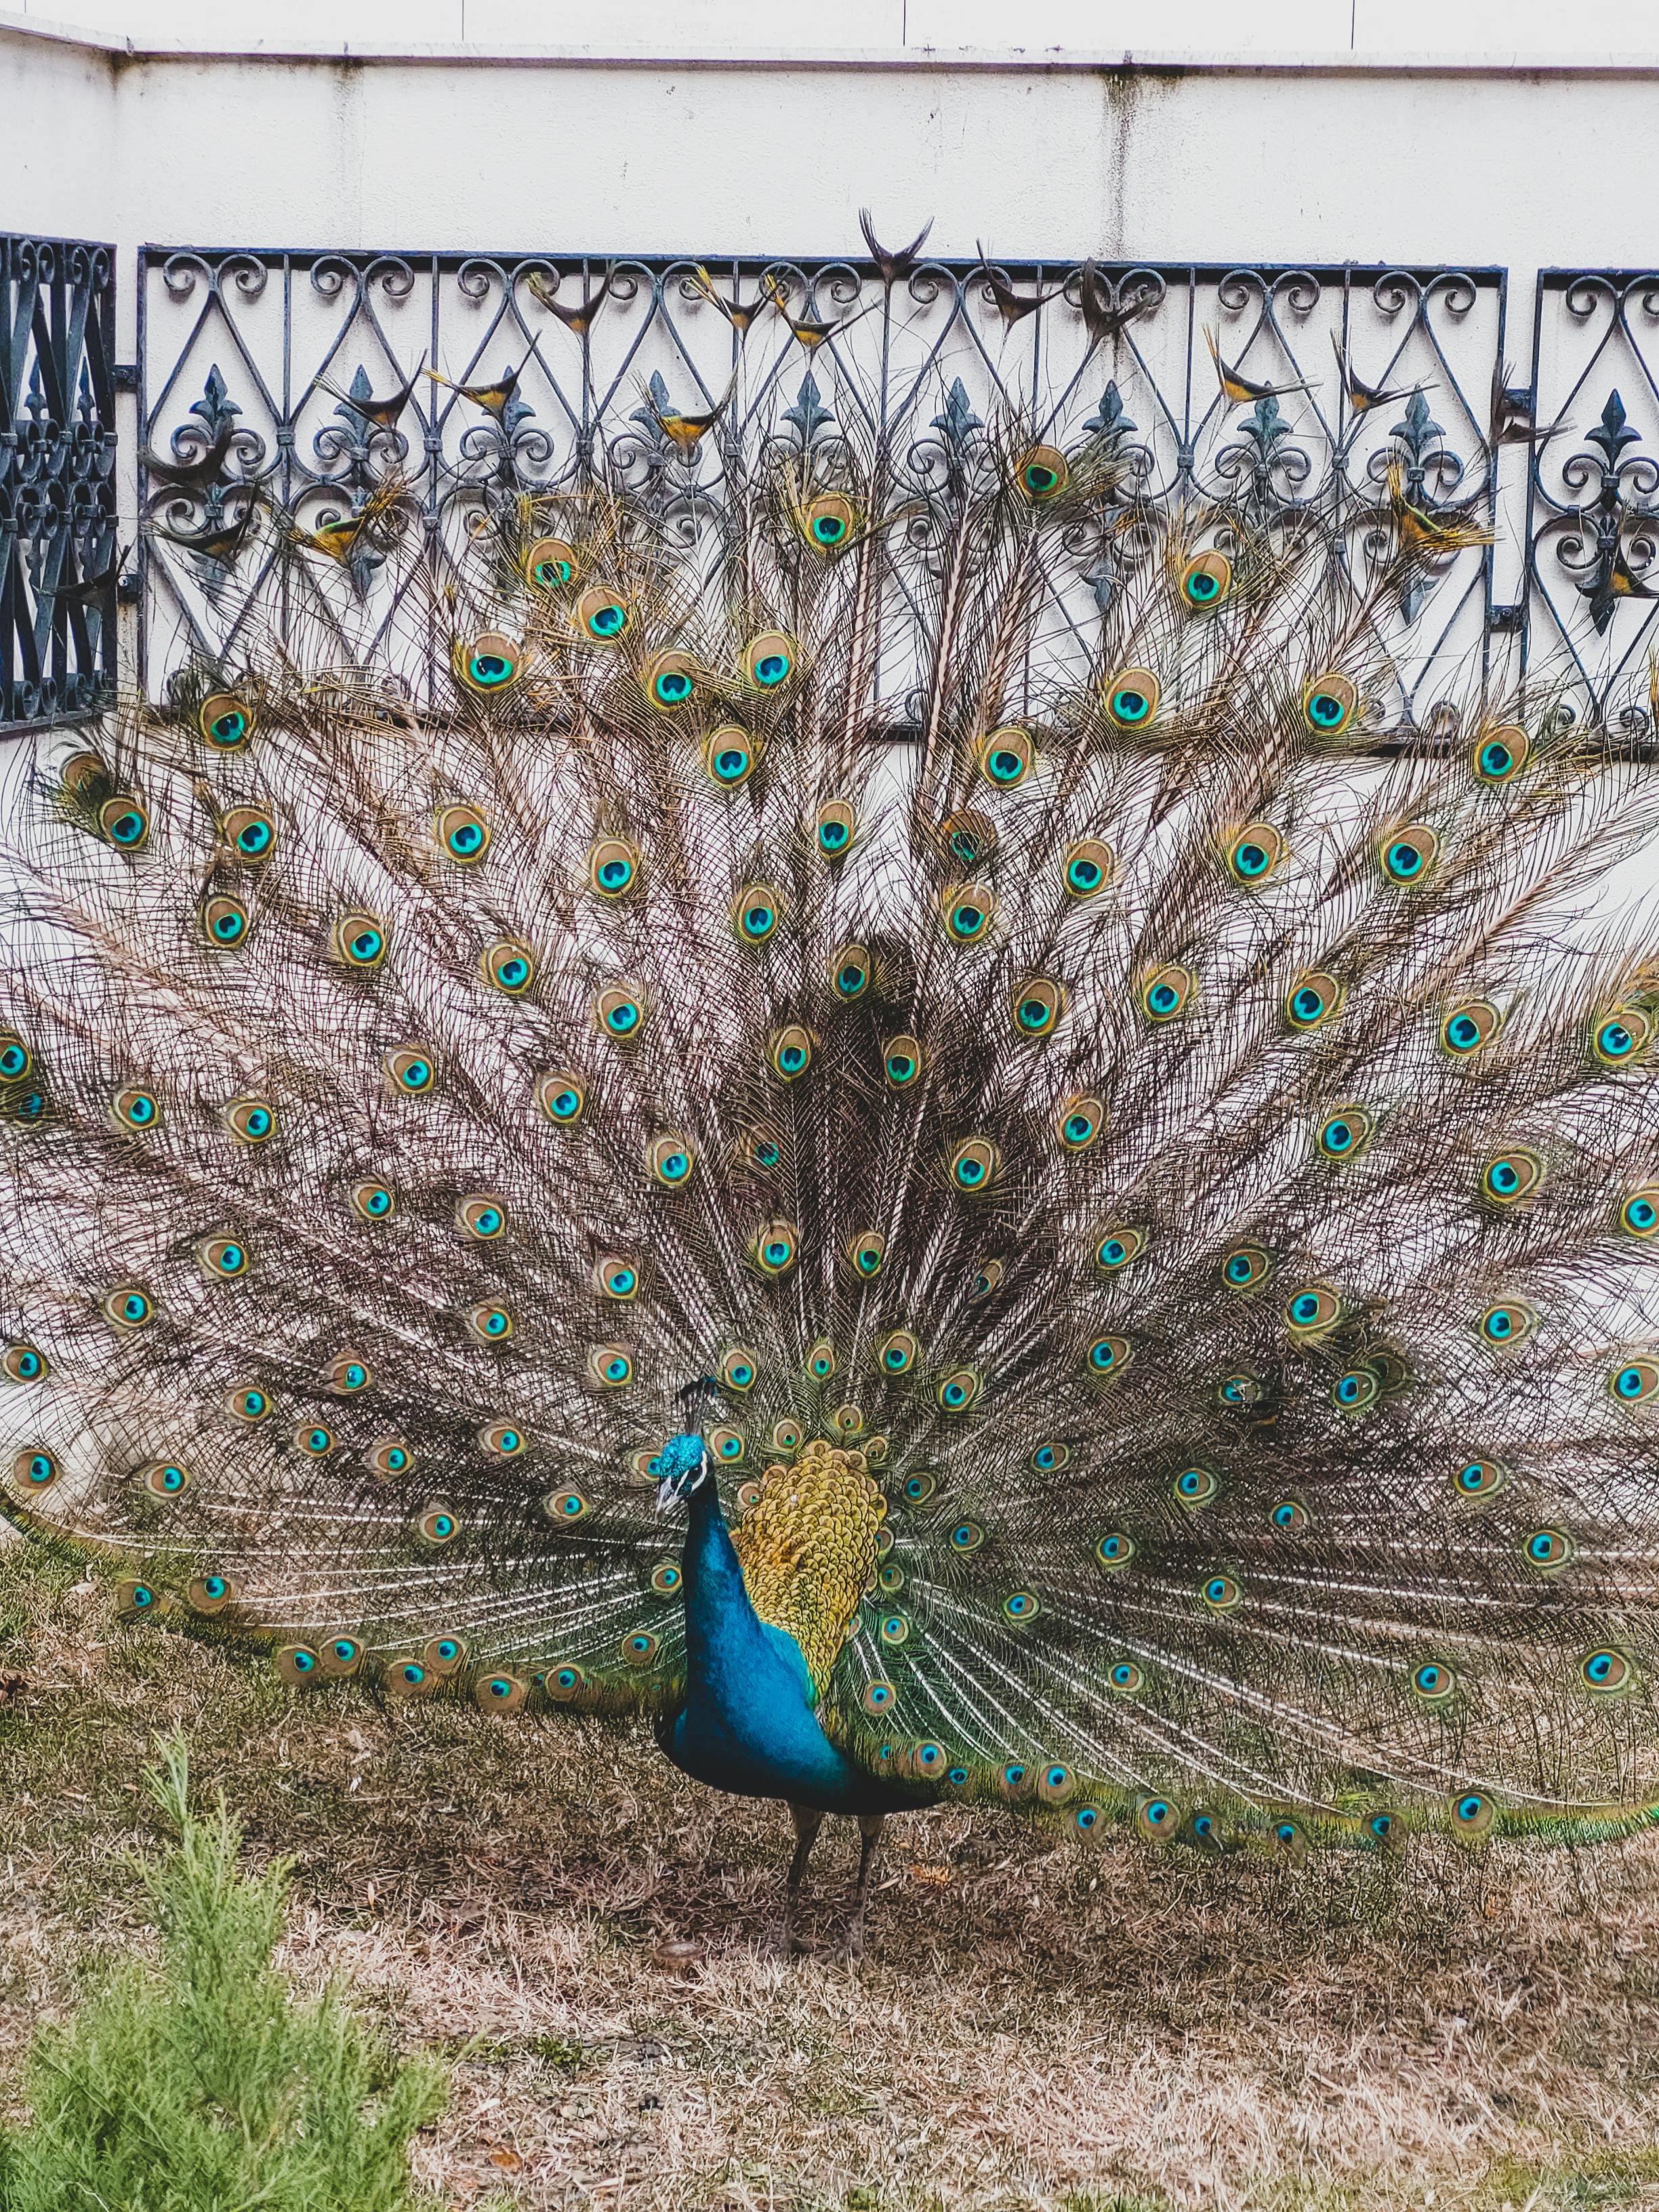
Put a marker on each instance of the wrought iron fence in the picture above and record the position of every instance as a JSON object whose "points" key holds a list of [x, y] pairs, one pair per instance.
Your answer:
{"points": [[295, 384], [57, 501], [1593, 492]]}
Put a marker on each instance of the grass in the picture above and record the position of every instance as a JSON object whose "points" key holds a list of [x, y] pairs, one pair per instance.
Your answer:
{"points": [[586, 1938]]}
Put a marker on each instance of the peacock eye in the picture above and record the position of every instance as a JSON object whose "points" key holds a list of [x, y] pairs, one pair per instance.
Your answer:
{"points": [[314, 1441], [1255, 853], [1606, 1672], [670, 1160], [1472, 1814], [865, 1253], [225, 921], [129, 1307], [1433, 1682], [738, 1369], [957, 1390], [1087, 867], [1004, 758], [15, 1058], [919, 1488], [549, 563], [901, 1061], [490, 1324], [775, 1247], [222, 1258], [1206, 580], [1311, 1311], [438, 1525], [503, 1440], [616, 1279], [411, 1072], [34, 1470], [613, 868], [246, 1402], [1479, 1478], [225, 721], [897, 1353], [297, 1664], [1469, 1026], [1314, 998], [987, 1280], [1108, 1356], [1329, 704], [481, 1217], [849, 971], [640, 1649], [124, 822], [1126, 1677], [669, 682], [1244, 1266], [341, 1657], [1080, 1122], [1409, 856], [1509, 1322], [1038, 1004], [1020, 1606], [821, 1360], [165, 1477], [1639, 1214], [611, 1366], [601, 616], [755, 914], [619, 1011], [1042, 473], [372, 1201], [1345, 1133], [134, 1108], [508, 968], [1156, 1819], [1622, 1036], [969, 910], [1167, 993], [1356, 1389], [835, 826], [209, 1593], [1635, 1383], [828, 521], [973, 1165], [1114, 1552], [1221, 1593], [249, 832], [389, 1457], [1132, 697], [1547, 1550], [877, 1697], [1050, 1458], [489, 664], [770, 659], [462, 835], [250, 1120], [791, 1052], [1502, 753], [1512, 1176], [1117, 1247], [1290, 1517], [360, 940], [24, 1363], [1195, 1486], [561, 1098], [729, 755]]}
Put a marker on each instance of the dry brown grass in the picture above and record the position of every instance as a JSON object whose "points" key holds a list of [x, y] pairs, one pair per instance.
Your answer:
{"points": [[591, 1937]]}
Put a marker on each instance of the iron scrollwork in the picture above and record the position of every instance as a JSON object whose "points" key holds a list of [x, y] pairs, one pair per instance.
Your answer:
{"points": [[57, 499]]}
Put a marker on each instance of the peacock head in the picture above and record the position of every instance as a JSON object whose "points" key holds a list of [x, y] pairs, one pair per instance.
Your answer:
{"points": [[682, 1462]]}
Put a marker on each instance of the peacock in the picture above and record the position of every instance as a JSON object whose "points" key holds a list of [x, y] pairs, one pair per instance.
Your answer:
{"points": [[1084, 1245]]}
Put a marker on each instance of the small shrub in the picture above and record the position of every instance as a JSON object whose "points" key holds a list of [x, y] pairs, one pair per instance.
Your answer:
{"points": [[203, 2084]]}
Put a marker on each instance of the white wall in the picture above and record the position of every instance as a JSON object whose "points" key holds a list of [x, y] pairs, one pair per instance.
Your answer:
{"points": [[1335, 162]]}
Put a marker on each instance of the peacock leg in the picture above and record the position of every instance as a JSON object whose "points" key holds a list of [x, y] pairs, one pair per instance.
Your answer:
{"points": [[870, 1830], [807, 1822]]}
